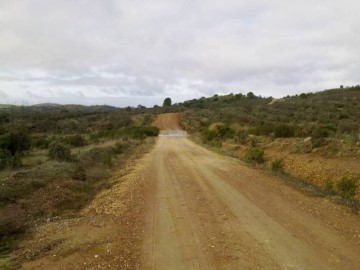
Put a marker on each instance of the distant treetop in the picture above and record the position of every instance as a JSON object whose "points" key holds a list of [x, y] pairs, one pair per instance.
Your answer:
{"points": [[167, 102]]}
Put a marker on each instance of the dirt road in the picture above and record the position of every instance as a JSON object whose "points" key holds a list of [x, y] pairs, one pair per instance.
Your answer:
{"points": [[168, 121], [195, 209]]}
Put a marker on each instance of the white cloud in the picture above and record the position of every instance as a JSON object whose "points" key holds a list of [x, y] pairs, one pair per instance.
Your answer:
{"points": [[140, 51]]}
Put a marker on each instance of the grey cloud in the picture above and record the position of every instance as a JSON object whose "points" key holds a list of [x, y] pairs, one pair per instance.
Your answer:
{"points": [[3, 96], [132, 50]]}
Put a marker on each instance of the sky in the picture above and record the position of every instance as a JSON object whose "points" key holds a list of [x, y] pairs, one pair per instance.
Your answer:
{"points": [[131, 52]]}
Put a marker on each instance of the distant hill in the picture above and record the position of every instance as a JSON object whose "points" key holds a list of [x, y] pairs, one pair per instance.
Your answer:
{"points": [[73, 107], [47, 105]]}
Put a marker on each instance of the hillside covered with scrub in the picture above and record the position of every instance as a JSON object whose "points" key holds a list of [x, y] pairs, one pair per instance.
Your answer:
{"points": [[312, 136], [55, 159], [331, 113]]}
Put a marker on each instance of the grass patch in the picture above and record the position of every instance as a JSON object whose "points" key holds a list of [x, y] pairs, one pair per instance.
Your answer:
{"points": [[4, 262], [347, 187], [254, 155], [277, 165], [131, 132], [315, 190], [58, 188]]}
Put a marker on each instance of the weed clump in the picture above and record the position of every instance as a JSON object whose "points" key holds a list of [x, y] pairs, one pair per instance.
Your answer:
{"points": [[15, 142], [329, 185], [255, 155], [5, 158], [59, 152], [76, 140], [347, 187], [79, 173], [242, 136], [277, 165]]}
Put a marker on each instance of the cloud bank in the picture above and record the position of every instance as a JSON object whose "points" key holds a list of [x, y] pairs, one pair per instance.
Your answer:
{"points": [[130, 52]]}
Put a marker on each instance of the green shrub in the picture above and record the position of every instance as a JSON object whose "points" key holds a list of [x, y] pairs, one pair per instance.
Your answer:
{"points": [[11, 223], [284, 131], [253, 141], [329, 185], [320, 133], [242, 136], [79, 173], [145, 131], [280, 130], [5, 158], [347, 187], [42, 142], [277, 165], [208, 136], [262, 129], [218, 134], [255, 155], [133, 132], [59, 152], [75, 140], [353, 138], [317, 142], [16, 161], [119, 148], [15, 142], [4, 118], [225, 132], [99, 155]]}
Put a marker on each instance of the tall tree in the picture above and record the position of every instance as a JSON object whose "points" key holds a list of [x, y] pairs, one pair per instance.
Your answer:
{"points": [[167, 102]]}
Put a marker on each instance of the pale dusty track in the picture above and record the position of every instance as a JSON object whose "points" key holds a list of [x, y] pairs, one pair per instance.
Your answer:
{"points": [[212, 212], [168, 121], [200, 210]]}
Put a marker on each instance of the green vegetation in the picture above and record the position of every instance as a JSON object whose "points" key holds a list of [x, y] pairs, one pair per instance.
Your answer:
{"points": [[76, 140], [329, 185], [254, 155], [59, 152], [15, 142], [324, 123], [217, 133], [131, 132], [277, 165], [328, 114], [167, 102], [347, 187], [53, 160]]}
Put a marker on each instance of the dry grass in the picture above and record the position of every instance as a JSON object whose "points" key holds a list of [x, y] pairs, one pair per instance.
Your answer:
{"points": [[43, 188]]}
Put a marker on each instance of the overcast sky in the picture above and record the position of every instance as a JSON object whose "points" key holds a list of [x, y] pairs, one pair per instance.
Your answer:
{"points": [[130, 52]]}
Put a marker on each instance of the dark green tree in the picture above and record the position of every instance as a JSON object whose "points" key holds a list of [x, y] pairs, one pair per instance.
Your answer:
{"points": [[4, 118], [15, 142], [250, 95], [167, 102]]}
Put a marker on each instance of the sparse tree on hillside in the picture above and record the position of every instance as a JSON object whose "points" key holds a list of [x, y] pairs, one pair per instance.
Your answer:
{"points": [[167, 102], [250, 95]]}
